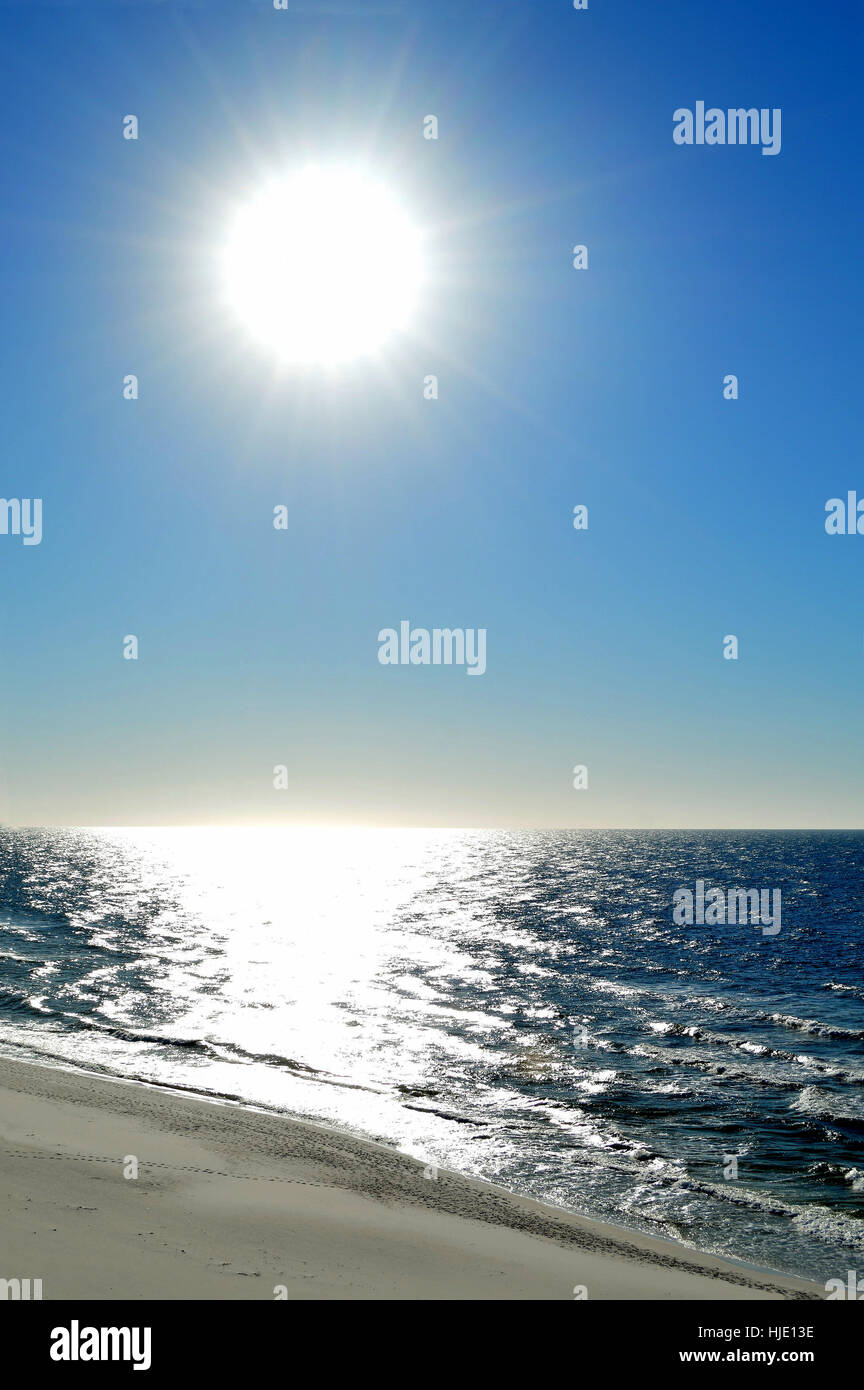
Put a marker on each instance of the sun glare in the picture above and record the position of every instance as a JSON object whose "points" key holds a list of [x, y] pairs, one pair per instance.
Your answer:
{"points": [[322, 266]]}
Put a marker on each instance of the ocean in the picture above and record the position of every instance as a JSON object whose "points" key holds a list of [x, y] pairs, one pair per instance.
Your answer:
{"points": [[521, 1006]]}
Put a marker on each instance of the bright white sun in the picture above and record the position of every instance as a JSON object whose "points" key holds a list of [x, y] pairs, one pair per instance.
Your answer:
{"points": [[323, 266]]}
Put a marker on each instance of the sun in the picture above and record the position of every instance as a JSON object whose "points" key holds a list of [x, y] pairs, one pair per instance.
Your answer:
{"points": [[322, 266]]}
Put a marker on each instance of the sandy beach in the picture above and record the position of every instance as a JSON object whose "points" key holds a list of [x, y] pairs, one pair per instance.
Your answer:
{"points": [[230, 1203]]}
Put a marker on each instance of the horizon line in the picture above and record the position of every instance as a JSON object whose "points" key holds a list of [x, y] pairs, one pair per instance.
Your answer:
{"points": [[522, 829]]}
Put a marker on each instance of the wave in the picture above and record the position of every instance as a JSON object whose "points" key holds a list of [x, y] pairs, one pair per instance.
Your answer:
{"points": [[854, 990], [817, 1029], [21, 1003], [826, 1106], [205, 1047]]}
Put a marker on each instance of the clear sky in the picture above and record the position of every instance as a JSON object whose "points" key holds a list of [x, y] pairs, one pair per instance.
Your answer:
{"points": [[557, 387]]}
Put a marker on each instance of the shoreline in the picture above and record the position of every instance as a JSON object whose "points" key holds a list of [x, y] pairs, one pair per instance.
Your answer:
{"points": [[230, 1203]]}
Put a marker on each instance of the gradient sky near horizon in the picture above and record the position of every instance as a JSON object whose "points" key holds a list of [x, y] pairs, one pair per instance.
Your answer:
{"points": [[259, 647]]}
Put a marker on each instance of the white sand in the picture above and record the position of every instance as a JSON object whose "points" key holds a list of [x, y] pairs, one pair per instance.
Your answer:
{"points": [[230, 1203]]}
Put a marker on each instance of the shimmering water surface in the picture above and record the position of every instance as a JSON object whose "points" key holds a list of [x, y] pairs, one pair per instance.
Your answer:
{"points": [[515, 1005]]}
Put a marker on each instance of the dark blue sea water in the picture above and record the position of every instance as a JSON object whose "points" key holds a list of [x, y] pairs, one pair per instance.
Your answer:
{"points": [[520, 1006]]}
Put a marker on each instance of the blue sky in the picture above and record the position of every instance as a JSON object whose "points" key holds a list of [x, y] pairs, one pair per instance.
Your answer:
{"points": [[557, 387]]}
